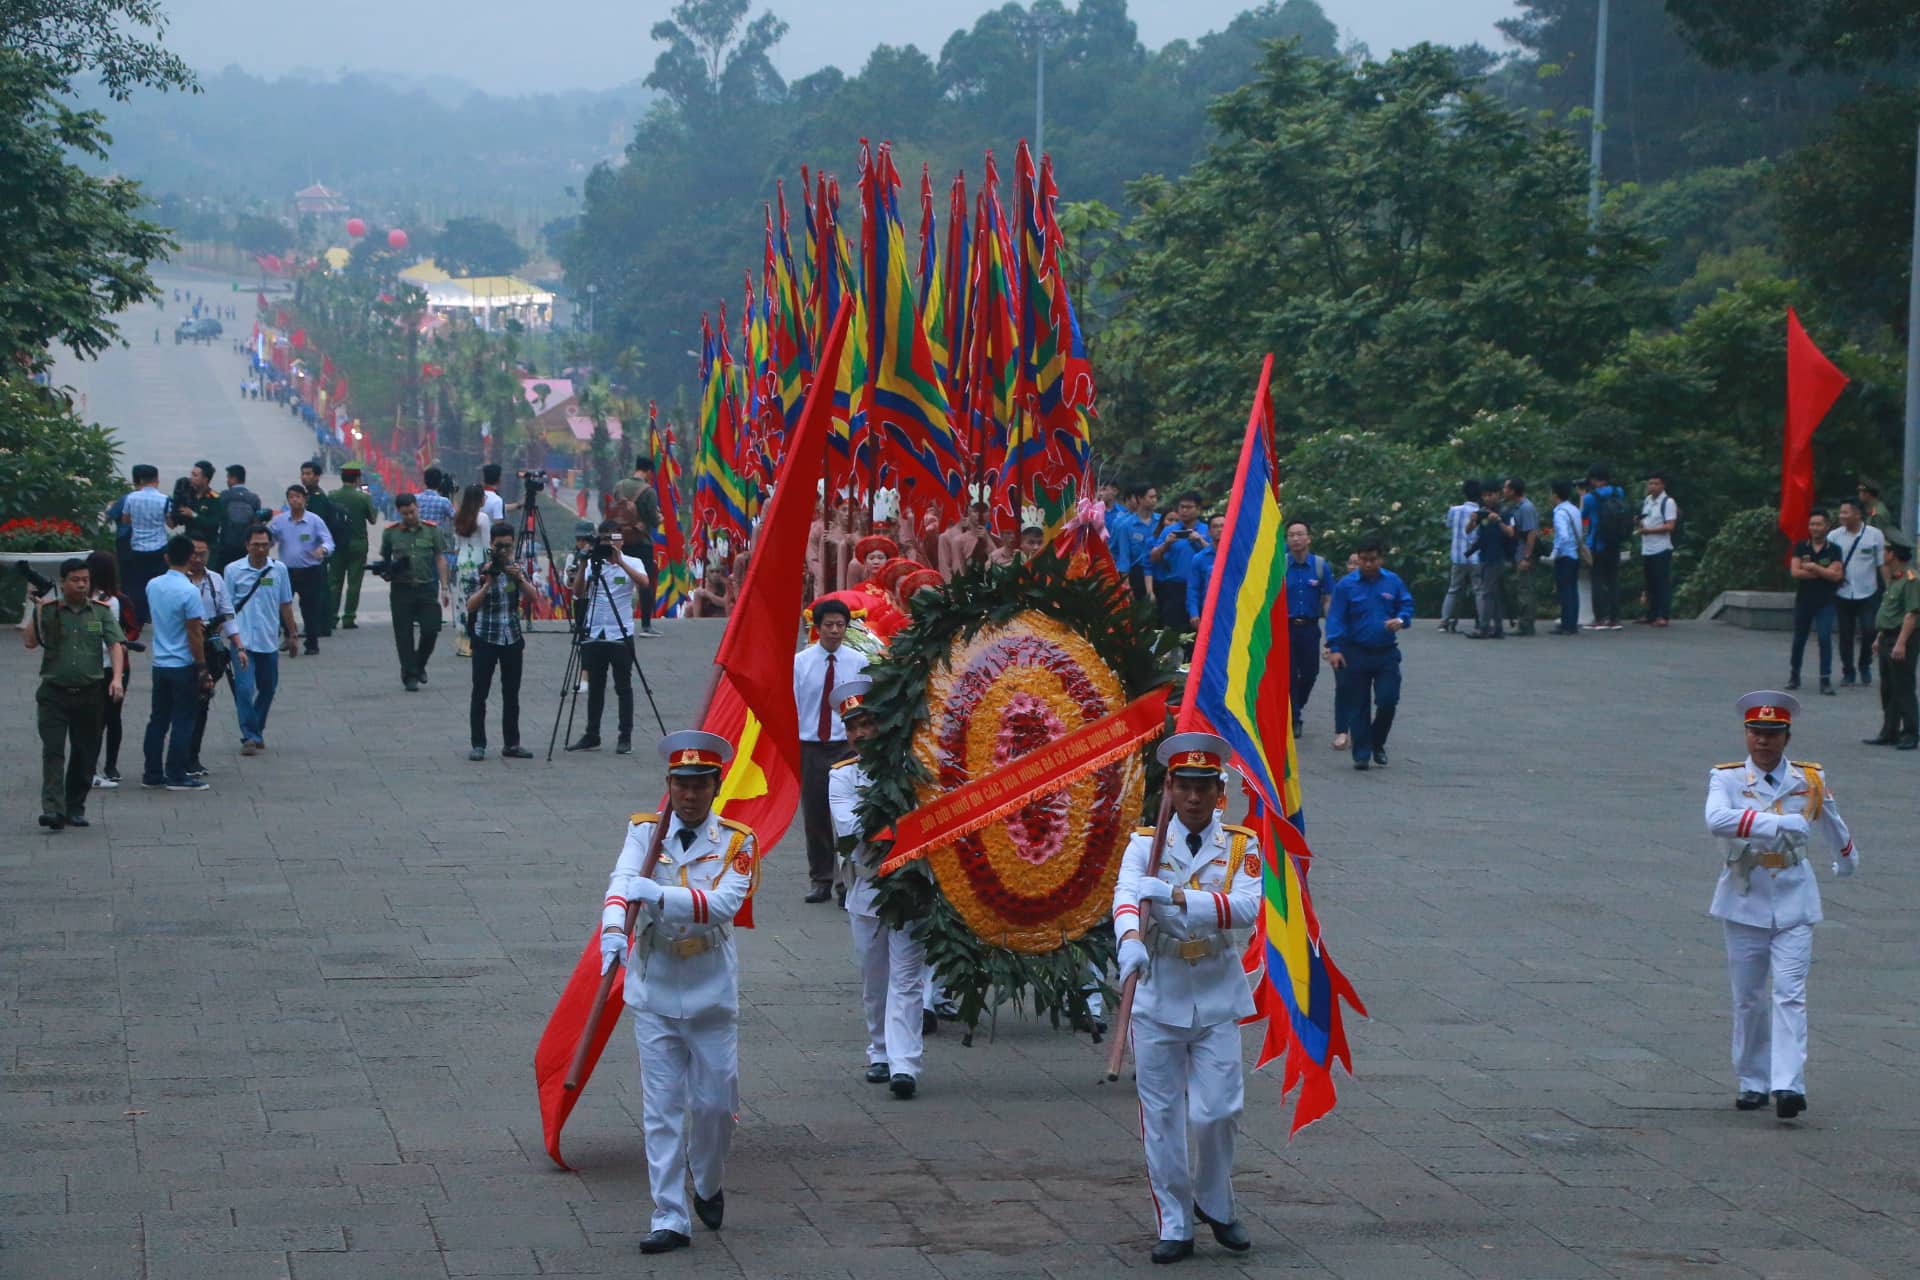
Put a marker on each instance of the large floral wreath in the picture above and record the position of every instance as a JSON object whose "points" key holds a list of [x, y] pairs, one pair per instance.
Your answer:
{"points": [[997, 663]]}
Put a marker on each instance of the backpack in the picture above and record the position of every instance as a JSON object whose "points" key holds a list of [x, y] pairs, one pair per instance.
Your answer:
{"points": [[238, 507], [1614, 520]]}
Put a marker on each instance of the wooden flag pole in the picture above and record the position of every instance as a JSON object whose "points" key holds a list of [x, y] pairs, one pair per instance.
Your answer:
{"points": [[1117, 1054]]}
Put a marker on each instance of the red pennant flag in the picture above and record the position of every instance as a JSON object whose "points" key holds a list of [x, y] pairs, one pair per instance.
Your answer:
{"points": [[753, 705], [580, 503], [1813, 384]]}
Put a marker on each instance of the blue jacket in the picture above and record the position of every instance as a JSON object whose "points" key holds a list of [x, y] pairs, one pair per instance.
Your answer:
{"points": [[1173, 566], [1358, 615], [1197, 575]]}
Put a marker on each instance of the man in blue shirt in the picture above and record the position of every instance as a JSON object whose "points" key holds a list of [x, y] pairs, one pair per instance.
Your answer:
{"points": [[1370, 607], [1200, 572], [1171, 557], [262, 594], [1309, 587], [304, 543], [1462, 560], [144, 514], [176, 619], [1604, 505], [1136, 530]]}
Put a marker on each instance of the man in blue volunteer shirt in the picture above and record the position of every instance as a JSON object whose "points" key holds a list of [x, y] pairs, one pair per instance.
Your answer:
{"points": [[1370, 607], [1171, 557], [1608, 525], [1309, 587]]}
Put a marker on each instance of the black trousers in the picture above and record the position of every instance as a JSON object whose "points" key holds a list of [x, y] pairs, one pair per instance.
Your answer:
{"points": [[1606, 585], [69, 722], [1566, 587], [112, 728], [816, 761], [597, 657], [143, 567], [310, 588], [485, 658], [1658, 568], [200, 722], [645, 593], [1857, 616], [1899, 714], [1170, 599], [1303, 660]]}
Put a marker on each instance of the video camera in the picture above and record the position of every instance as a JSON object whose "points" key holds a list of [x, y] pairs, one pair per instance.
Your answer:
{"points": [[534, 480], [41, 586], [497, 564], [386, 568]]}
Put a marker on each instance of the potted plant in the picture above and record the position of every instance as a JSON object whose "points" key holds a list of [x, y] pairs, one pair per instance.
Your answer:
{"points": [[39, 544]]}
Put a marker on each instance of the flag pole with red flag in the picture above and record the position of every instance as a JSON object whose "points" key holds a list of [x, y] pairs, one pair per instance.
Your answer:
{"points": [[1813, 384]]}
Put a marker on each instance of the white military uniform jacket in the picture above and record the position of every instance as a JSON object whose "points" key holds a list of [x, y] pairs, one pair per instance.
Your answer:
{"points": [[1744, 810], [845, 783], [1223, 891], [682, 962]]}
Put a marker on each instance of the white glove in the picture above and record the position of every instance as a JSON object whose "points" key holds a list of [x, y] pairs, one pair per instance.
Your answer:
{"points": [[1846, 865], [1791, 824], [648, 891], [1133, 959], [613, 948], [1154, 889]]}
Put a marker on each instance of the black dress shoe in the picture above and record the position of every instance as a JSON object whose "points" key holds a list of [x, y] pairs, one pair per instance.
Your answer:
{"points": [[624, 747], [710, 1211], [1172, 1251], [1749, 1100], [77, 820], [819, 895], [1229, 1235], [1361, 765], [410, 685], [1907, 744], [1881, 741], [663, 1241], [1787, 1104], [929, 1022], [585, 742], [1793, 682], [878, 1073], [1380, 756], [903, 1086], [52, 821], [422, 676]]}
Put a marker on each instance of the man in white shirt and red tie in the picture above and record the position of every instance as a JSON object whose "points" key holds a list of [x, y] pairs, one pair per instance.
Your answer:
{"points": [[817, 670]]}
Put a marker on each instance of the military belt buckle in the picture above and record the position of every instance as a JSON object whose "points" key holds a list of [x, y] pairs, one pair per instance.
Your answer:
{"points": [[1194, 950], [687, 948], [1776, 861]]}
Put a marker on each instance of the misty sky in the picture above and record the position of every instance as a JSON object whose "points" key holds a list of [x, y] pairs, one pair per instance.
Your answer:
{"points": [[595, 44]]}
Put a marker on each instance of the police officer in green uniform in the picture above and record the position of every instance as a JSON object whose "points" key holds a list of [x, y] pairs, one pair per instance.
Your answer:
{"points": [[348, 563], [415, 550], [327, 514], [81, 644]]}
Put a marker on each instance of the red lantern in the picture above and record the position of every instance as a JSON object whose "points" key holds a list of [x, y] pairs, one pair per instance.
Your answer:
{"points": [[356, 228], [396, 239]]}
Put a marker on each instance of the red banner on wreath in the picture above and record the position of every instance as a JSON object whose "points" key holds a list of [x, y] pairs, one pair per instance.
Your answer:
{"points": [[1060, 763]]}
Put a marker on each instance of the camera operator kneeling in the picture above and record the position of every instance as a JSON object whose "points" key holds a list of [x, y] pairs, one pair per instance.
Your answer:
{"points": [[493, 622], [605, 580]]}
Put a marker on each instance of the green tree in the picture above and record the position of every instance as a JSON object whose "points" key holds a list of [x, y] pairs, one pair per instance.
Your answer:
{"points": [[1762, 34], [52, 463], [476, 247], [68, 37], [257, 234]]}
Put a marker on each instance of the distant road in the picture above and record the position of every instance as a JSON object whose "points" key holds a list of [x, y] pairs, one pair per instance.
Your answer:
{"points": [[172, 405]]}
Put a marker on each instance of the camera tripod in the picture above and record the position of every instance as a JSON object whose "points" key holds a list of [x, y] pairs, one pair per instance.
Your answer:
{"points": [[570, 682], [531, 538]]}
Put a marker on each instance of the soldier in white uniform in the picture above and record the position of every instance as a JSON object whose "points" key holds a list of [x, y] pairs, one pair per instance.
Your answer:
{"points": [[1176, 924], [683, 981], [1764, 809], [892, 961]]}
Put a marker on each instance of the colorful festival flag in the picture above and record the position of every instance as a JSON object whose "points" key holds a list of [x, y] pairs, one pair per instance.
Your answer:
{"points": [[1237, 687], [673, 585]]}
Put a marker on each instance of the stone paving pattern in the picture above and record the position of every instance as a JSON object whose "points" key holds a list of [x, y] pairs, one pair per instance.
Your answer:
{"points": [[284, 1029]]}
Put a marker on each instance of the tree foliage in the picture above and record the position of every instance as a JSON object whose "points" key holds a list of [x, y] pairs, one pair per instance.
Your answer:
{"points": [[53, 464], [107, 37], [476, 247], [1803, 34]]}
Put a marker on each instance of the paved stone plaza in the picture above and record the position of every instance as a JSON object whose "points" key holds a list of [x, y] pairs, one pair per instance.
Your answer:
{"points": [[285, 1028]]}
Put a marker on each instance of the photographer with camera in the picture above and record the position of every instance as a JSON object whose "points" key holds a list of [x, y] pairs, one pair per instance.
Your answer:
{"points": [[1172, 556], [413, 561], [606, 580], [262, 592], [81, 644], [493, 621], [1493, 538]]}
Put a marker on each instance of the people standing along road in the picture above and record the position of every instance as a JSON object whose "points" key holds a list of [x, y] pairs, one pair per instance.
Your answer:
{"points": [[1569, 552], [472, 545], [201, 517], [240, 511], [1609, 526], [81, 645], [1525, 519], [1899, 612], [145, 512], [417, 588], [1370, 607], [636, 505], [322, 506], [1763, 809], [262, 593], [223, 647], [1863, 550], [105, 573], [1174, 921], [1462, 561], [348, 563], [606, 580], [1659, 515], [818, 670], [1493, 543], [1816, 572], [176, 622], [1309, 586], [1171, 557], [684, 991], [303, 544], [493, 619]]}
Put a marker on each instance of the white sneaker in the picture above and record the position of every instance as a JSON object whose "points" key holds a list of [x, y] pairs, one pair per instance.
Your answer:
{"points": [[102, 782]]}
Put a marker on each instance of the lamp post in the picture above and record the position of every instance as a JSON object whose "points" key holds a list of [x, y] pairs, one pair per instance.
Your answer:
{"points": [[1910, 457], [1598, 127]]}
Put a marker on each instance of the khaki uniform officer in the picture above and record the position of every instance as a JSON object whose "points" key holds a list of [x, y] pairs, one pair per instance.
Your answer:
{"points": [[1176, 928], [683, 983], [1764, 809], [892, 961], [81, 644], [412, 586]]}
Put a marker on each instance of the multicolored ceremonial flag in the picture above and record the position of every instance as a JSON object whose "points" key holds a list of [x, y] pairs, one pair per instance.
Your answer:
{"points": [[1237, 687], [993, 354], [673, 584]]}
